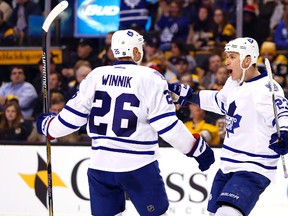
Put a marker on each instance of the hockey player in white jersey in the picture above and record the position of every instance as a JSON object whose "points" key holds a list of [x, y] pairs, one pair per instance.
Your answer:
{"points": [[249, 154], [126, 107]]}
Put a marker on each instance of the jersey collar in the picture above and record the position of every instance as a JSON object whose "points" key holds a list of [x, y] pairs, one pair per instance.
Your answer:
{"points": [[257, 77], [124, 62]]}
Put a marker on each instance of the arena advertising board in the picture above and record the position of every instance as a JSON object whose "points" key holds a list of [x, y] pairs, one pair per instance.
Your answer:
{"points": [[23, 188], [96, 17], [27, 56]]}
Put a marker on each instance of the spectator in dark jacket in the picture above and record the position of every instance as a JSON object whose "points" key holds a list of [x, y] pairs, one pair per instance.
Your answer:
{"points": [[12, 124], [20, 16]]}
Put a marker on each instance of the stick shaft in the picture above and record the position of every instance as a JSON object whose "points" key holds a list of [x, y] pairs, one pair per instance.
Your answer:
{"points": [[46, 91], [46, 97], [270, 75]]}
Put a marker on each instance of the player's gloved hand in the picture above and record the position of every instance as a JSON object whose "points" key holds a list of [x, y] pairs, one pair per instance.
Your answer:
{"points": [[202, 152], [179, 93], [42, 123], [280, 146]]}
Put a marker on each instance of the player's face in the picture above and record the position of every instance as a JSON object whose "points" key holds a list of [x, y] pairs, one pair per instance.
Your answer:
{"points": [[233, 65]]}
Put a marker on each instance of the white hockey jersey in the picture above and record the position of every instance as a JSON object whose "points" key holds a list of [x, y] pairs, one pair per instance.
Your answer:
{"points": [[250, 123], [125, 107]]}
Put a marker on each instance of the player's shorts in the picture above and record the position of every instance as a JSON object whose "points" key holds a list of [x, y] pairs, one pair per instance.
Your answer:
{"points": [[239, 189], [144, 186]]}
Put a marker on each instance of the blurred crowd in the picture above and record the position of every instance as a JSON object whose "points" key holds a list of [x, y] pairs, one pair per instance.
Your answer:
{"points": [[184, 42]]}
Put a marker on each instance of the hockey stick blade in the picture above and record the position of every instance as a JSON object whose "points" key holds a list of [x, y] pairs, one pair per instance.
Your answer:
{"points": [[270, 75], [53, 14]]}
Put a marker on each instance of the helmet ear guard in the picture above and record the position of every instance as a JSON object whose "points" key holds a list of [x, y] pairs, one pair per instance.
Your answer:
{"points": [[124, 41]]}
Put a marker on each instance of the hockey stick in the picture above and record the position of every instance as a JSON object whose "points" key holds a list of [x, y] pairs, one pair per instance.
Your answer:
{"points": [[46, 96], [269, 71]]}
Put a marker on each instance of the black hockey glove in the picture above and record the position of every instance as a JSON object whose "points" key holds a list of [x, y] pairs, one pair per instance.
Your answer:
{"points": [[280, 146], [202, 152]]}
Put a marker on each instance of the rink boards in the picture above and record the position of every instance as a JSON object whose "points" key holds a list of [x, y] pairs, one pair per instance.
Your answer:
{"points": [[24, 183]]}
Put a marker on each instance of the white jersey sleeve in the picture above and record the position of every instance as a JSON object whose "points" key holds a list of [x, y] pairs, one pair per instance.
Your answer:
{"points": [[216, 101]]}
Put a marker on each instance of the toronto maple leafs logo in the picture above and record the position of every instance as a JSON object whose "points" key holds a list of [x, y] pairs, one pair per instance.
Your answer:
{"points": [[251, 40], [232, 119], [130, 33], [268, 85]]}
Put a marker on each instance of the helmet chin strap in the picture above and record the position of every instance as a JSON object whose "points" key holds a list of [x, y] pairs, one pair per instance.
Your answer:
{"points": [[243, 76], [243, 72]]}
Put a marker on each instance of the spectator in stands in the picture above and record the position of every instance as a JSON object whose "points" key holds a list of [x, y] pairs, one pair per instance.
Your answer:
{"points": [[37, 79], [133, 13], [277, 14], [180, 67], [192, 80], [197, 124], [151, 46], [86, 51], [108, 58], [190, 10], [172, 27], [179, 49], [68, 78], [281, 32], [278, 62], [201, 31], [57, 103], [24, 91], [229, 6], [222, 30], [159, 63], [7, 36], [20, 17], [12, 124], [80, 73], [6, 9], [55, 80], [249, 21], [183, 113], [214, 62], [265, 11], [221, 76], [107, 46]]}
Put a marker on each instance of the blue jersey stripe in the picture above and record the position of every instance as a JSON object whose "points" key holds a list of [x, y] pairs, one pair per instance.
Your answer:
{"points": [[282, 115], [167, 128], [123, 150], [66, 123], [248, 153], [75, 112], [251, 162], [222, 109], [127, 141], [162, 116], [285, 111]]}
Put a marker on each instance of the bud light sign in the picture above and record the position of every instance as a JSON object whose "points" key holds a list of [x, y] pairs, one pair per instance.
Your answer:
{"points": [[96, 17]]}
